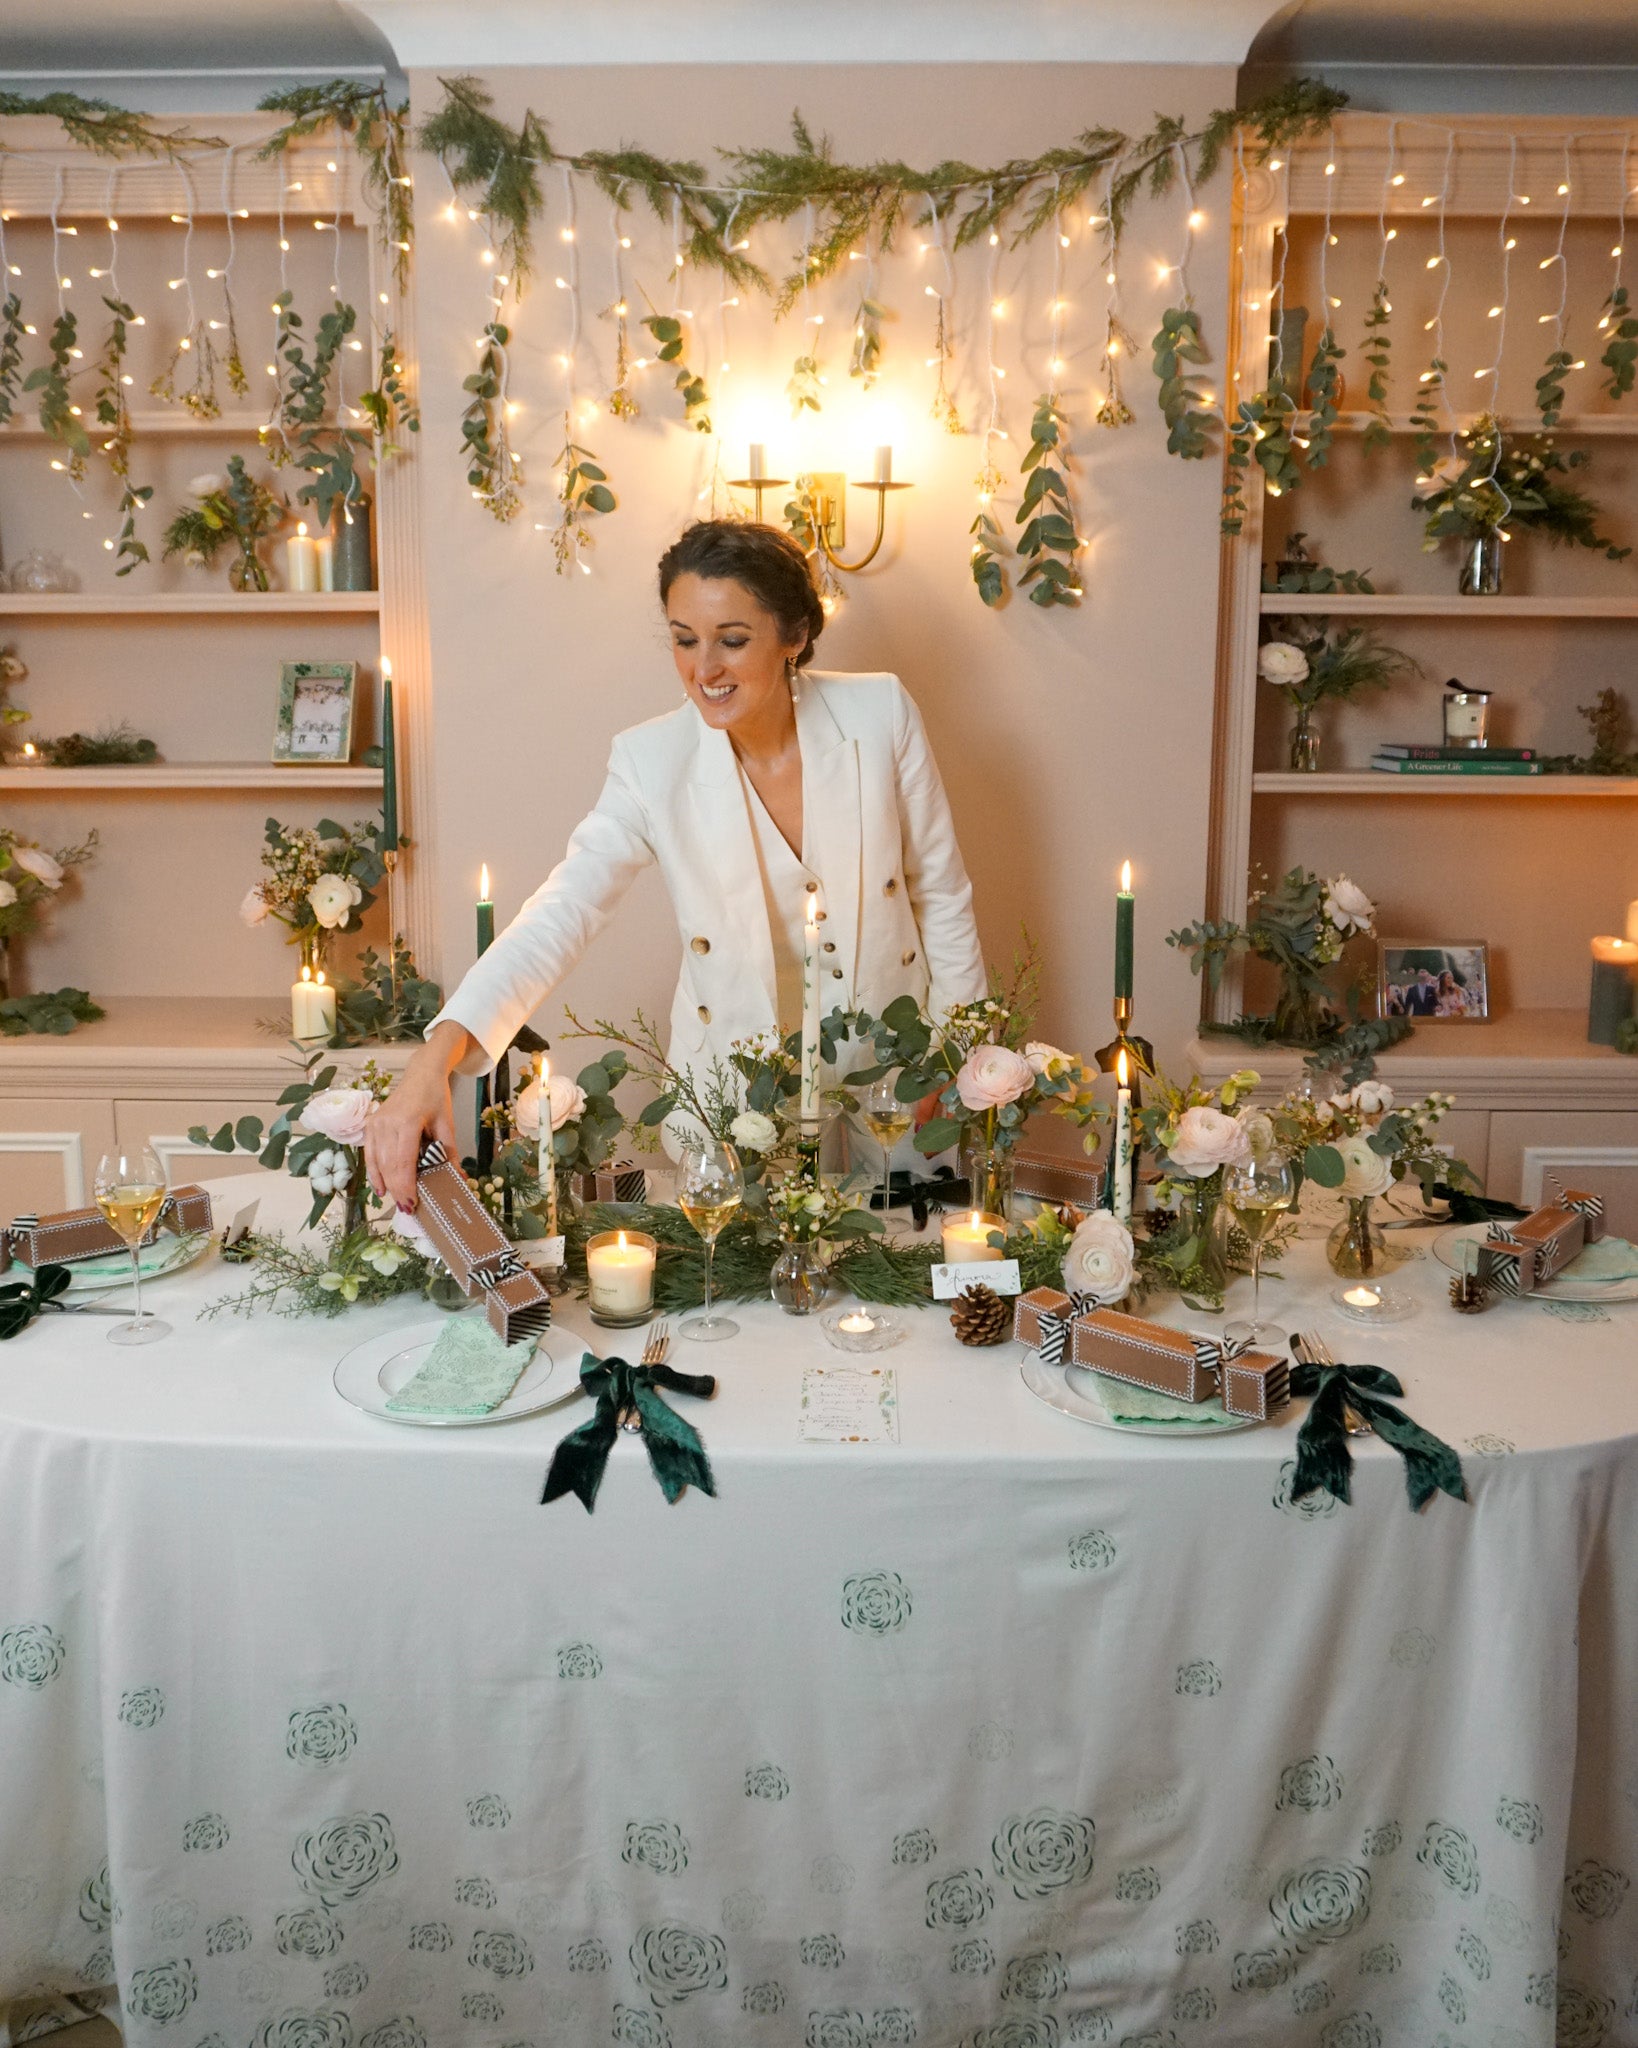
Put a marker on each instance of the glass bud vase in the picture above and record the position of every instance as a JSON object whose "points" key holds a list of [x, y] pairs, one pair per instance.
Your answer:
{"points": [[1356, 1248], [1482, 566], [800, 1278], [1200, 1210], [987, 1170], [1303, 756]]}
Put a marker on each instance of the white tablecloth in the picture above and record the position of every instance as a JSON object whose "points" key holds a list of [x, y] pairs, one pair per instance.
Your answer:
{"points": [[317, 1732]]}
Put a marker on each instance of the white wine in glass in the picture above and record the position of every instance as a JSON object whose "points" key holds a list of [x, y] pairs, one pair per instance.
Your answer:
{"points": [[887, 1119], [130, 1191], [1258, 1194], [710, 1187]]}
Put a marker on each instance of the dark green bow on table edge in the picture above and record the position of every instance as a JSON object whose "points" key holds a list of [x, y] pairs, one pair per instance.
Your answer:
{"points": [[1324, 1461], [674, 1447], [22, 1300]]}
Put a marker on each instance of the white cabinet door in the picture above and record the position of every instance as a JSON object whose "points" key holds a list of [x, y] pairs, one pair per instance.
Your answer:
{"points": [[49, 1149], [1587, 1149]]}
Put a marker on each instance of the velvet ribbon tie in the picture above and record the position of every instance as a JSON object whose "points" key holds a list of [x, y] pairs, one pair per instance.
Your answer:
{"points": [[673, 1445], [22, 1300], [1324, 1461]]}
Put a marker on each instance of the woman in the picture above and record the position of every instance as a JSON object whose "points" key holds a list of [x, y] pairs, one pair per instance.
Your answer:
{"points": [[769, 779]]}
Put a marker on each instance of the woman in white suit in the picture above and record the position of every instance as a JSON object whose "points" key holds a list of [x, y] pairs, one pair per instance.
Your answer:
{"points": [[770, 779]]}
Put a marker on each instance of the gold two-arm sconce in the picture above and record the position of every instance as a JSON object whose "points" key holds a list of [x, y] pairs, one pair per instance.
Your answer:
{"points": [[824, 498]]}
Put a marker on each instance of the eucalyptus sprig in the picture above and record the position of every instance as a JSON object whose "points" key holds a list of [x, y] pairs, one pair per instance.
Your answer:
{"points": [[989, 542], [1177, 345], [1424, 419], [667, 333], [1324, 389], [1620, 357], [308, 434], [802, 388], [50, 379], [492, 470], [1262, 428], [1377, 350], [1049, 542], [389, 404], [378, 128], [11, 355], [114, 418], [1550, 386], [864, 362], [583, 494]]}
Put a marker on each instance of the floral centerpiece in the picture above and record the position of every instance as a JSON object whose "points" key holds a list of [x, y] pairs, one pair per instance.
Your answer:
{"points": [[1195, 1131], [233, 510], [30, 877], [1302, 658], [1098, 1255], [1300, 927], [1491, 488], [808, 1217], [320, 880], [585, 1124], [1359, 1143]]}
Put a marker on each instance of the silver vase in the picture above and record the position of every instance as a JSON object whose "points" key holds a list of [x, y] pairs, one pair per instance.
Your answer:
{"points": [[1482, 566]]}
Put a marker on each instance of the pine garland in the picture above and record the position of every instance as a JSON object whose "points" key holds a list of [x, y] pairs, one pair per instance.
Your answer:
{"points": [[379, 133], [103, 128]]}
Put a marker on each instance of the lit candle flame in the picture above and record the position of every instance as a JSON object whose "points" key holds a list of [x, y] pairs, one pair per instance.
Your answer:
{"points": [[319, 977], [621, 1241], [386, 668], [1126, 878], [307, 974], [1122, 1073], [483, 884], [301, 528]]}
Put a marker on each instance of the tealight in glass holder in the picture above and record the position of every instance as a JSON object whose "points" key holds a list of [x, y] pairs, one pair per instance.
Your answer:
{"points": [[1368, 1301], [620, 1278]]}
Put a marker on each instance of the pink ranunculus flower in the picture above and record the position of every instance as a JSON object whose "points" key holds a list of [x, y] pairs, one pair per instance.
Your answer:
{"points": [[993, 1074], [1207, 1139], [568, 1100], [339, 1114]]}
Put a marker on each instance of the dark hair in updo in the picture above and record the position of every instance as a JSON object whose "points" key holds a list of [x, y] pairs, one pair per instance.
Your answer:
{"points": [[767, 562]]}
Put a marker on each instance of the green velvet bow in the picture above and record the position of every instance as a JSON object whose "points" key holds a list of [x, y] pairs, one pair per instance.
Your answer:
{"points": [[1324, 1461], [674, 1447], [22, 1300]]}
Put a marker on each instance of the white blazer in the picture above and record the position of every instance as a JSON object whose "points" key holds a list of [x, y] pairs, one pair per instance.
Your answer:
{"points": [[878, 828]]}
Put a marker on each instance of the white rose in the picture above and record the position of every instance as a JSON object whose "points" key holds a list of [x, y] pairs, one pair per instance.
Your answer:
{"points": [[208, 485], [1280, 662], [1050, 1062], [1364, 1172], [1347, 905], [253, 910], [35, 861], [751, 1131], [194, 559], [8, 895], [568, 1099], [1100, 1259], [1207, 1139], [339, 1114], [334, 899]]}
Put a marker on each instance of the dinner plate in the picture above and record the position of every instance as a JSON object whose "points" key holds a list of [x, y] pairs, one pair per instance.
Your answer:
{"points": [[166, 1254], [1564, 1288], [374, 1371], [1074, 1392]]}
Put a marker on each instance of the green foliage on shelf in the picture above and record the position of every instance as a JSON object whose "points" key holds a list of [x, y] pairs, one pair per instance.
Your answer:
{"points": [[116, 746], [56, 1013], [385, 1002]]}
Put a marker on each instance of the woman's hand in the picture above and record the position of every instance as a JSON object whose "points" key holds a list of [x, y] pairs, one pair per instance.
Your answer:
{"points": [[419, 1106]]}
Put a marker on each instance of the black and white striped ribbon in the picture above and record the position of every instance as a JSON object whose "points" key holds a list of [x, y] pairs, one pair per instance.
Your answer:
{"points": [[1056, 1324], [1215, 1352]]}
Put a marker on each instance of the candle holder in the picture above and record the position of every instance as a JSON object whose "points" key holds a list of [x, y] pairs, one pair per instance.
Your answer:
{"points": [[622, 1295], [819, 521], [882, 1331], [757, 485], [1386, 1305], [389, 860], [964, 1237]]}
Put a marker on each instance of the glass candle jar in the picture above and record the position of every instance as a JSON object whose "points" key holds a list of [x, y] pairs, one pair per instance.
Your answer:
{"points": [[1467, 718], [620, 1277]]}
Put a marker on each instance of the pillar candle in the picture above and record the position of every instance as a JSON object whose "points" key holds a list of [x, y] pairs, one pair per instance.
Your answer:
{"points": [[759, 461], [325, 562], [486, 914], [389, 762], [301, 560], [1614, 988], [1121, 1180], [312, 1006], [967, 1238], [884, 464], [620, 1274], [810, 1009], [1125, 906], [1632, 920]]}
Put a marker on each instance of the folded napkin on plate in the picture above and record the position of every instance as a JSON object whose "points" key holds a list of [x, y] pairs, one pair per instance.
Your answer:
{"points": [[1124, 1402], [1612, 1258], [469, 1371]]}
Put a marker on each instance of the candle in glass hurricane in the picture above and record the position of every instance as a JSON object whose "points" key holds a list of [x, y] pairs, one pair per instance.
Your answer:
{"points": [[1125, 906], [1614, 993], [967, 1238], [857, 1323], [620, 1276]]}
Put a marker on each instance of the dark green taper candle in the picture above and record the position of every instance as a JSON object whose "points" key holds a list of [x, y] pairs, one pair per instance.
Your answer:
{"points": [[389, 763], [486, 914], [1125, 905]]}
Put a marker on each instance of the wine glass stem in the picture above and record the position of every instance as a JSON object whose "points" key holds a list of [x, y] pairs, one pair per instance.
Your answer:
{"points": [[710, 1255], [136, 1278], [887, 1182], [1256, 1287]]}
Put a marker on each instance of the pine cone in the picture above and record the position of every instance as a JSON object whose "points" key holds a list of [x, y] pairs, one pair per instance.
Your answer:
{"points": [[980, 1316], [1467, 1295]]}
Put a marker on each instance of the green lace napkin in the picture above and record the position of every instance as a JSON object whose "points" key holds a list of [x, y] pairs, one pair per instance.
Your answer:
{"points": [[469, 1371], [1612, 1258], [1125, 1403]]}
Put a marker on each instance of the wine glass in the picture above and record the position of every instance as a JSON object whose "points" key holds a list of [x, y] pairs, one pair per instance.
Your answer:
{"points": [[710, 1187], [1258, 1193], [887, 1119], [130, 1191]]}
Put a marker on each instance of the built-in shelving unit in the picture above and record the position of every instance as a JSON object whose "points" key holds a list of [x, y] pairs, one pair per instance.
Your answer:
{"points": [[1372, 782], [162, 776], [1398, 604], [210, 604]]}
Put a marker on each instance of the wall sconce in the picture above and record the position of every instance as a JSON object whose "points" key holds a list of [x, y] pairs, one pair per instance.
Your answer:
{"points": [[824, 498]]}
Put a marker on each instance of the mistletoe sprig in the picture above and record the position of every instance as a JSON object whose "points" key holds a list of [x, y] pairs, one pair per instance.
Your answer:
{"points": [[1046, 512], [50, 379], [379, 131], [667, 333], [492, 469], [1177, 345]]}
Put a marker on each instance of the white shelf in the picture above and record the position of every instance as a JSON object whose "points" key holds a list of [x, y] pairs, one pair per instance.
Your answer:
{"points": [[214, 604], [1574, 425], [26, 427], [1375, 782], [141, 780], [1404, 605]]}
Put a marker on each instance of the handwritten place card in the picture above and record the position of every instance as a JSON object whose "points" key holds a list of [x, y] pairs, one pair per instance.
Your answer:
{"points": [[849, 1404], [1000, 1275]]}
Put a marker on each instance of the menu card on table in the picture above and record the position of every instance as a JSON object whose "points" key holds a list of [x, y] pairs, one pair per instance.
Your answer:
{"points": [[848, 1404]]}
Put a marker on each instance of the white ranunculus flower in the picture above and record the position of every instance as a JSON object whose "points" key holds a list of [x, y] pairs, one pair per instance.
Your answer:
{"points": [[8, 895], [334, 899], [1364, 1172], [35, 861], [1280, 662], [1207, 1139], [1348, 907], [1100, 1259], [253, 910], [208, 485], [751, 1131], [339, 1114], [568, 1099]]}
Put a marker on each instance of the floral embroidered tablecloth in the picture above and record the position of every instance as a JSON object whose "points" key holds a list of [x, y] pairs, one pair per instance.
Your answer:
{"points": [[318, 1732]]}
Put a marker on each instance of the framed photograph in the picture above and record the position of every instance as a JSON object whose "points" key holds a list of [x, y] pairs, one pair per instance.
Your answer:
{"points": [[315, 721], [1433, 984]]}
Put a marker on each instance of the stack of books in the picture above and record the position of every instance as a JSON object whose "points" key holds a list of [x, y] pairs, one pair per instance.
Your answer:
{"points": [[1406, 760]]}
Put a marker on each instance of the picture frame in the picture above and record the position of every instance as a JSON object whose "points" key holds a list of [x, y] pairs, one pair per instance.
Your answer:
{"points": [[1433, 982], [315, 712]]}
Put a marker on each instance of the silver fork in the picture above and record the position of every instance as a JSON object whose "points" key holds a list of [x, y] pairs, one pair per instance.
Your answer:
{"points": [[654, 1351], [1319, 1354]]}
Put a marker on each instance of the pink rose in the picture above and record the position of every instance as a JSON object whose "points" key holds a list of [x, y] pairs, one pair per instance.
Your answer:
{"points": [[568, 1100], [1207, 1139], [339, 1114], [992, 1075]]}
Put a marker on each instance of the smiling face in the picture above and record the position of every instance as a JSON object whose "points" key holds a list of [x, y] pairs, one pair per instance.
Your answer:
{"points": [[730, 653]]}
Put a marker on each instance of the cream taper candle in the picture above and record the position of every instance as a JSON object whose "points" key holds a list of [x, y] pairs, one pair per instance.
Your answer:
{"points": [[809, 1099]]}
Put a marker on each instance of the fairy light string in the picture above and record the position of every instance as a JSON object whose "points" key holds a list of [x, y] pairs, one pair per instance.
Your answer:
{"points": [[1113, 411]]}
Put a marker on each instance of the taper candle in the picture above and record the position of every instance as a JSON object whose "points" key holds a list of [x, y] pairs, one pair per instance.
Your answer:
{"points": [[545, 1156], [810, 1008], [1120, 1191], [486, 914], [1125, 905], [884, 464], [389, 762], [759, 461]]}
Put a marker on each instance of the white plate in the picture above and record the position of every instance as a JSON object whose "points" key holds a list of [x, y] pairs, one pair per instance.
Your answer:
{"points": [[1079, 1398], [372, 1372], [166, 1254], [1562, 1289]]}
